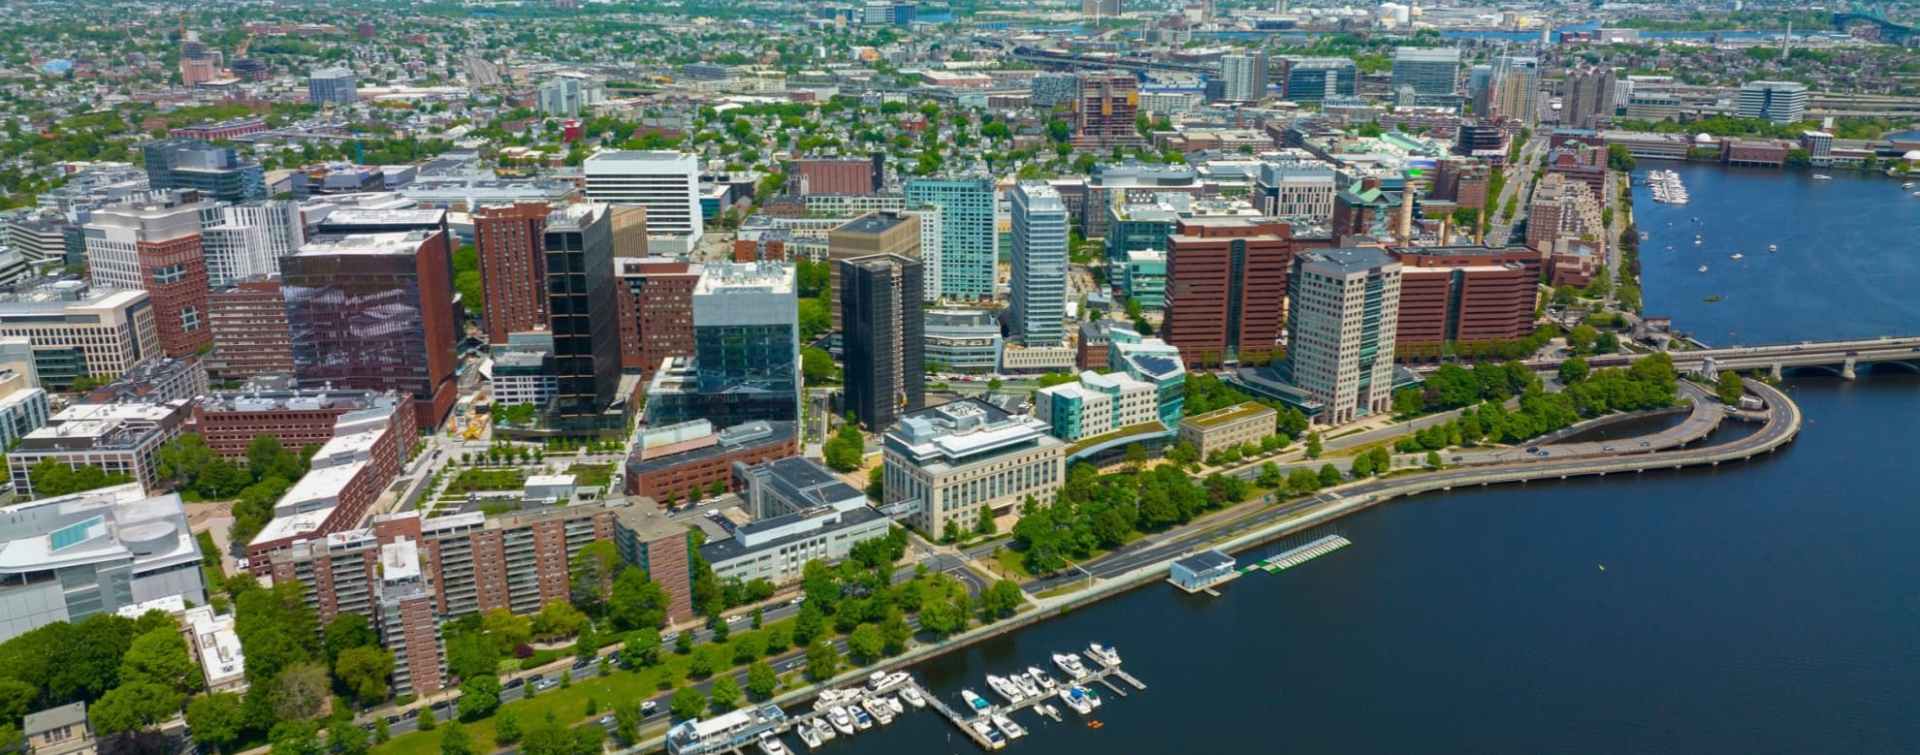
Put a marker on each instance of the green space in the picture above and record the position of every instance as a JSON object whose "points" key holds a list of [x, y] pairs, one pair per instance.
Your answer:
{"points": [[480, 480], [591, 475], [1144, 428], [1224, 416]]}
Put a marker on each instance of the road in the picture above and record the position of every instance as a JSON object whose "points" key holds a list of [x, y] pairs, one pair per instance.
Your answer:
{"points": [[1519, 180]]}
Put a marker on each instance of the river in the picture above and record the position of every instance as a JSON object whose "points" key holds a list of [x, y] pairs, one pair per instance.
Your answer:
{"points": [[1765, 607]]}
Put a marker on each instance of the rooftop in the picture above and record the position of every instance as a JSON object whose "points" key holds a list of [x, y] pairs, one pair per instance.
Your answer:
{"points": [[874, 223], [394, 243], [1347, 261], [1228, 414]]}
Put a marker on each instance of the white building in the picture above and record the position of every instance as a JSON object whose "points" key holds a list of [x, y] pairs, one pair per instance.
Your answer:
{"points": [[69, 557], [666, 183], [1039, 303], [217, 648], [1244, 77], [115, 235], [86, 332], [931, 234], [1776, 101], [117, 438], [955, 463], [248, 240], [1343, 311], [1296, 190], [571, 93]]}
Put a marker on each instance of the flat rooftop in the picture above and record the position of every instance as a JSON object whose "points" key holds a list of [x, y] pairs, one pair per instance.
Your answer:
{"points": [[392, 243]]}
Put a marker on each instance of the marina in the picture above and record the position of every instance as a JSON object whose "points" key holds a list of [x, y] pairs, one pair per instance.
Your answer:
{"points": [[1667, 187]]}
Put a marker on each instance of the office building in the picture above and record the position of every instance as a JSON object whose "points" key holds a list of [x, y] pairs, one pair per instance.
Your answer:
{"points": [[1464, 295], [375, 311], [962, 340], [117, 438], [1105, 109], [570, 94], [777, 549], [793, 485], [1096, 404], [216, 172], [509, 240], [248, 240], [1295, 190], [1039, 303], [682, 462], [1429, 70], [629, 230], [1514, 89], [581, 314], [1154, 361], [854, 176], [1316, 79], [1561, 208], [667, 184], [73, 556], [524, 372], [78, 331], [656, 311], [346, 475], [331, 86], [1100, 8], [1226, 282], [1774, 101], [1343, 313], [1144, 279], [1244, 77], [1588, 100], [23, 406], [969, 239], [746, 363], [229, 420], [883, 337], [1480, 88], [153, 381], [875, 233], [249, 323], [1049, 89], [155, 247], [1228, 427], [950, 465]]}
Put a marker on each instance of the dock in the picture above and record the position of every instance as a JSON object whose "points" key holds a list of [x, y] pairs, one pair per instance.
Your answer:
{"points": [[1302, 554], [1094, 676]]}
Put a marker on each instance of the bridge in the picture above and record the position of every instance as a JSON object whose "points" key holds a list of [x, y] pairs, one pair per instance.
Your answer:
{"points": [[1883, 30], [1075, 60], [1836, 357]]}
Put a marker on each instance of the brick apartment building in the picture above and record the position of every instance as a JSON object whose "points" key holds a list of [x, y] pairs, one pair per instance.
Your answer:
{"points": [[510, 242], [249, 323], [655, 310]]}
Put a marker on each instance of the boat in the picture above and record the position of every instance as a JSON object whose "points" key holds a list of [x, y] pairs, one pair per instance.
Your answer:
{"points": [[1006, 688], [1047, 709], [1822, 177], [1715, 299], [823, 730], [1703, 268], [1094, 724], [1907, 185], [881, 712], [807, 736], [985, 730], [861, 720], [1736, 256], [1070, 663], [1075, 700], [877, 680], [1093, 696], [1008, 727], [771, 745], [1105, 655], [913, 697], [1027, 687], [893, 704], [1773, 247], [841, 720], [974, 701], [1041, 677]]}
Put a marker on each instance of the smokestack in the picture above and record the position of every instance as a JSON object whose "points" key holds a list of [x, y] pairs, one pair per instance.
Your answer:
{"points": [[1403, 228]]}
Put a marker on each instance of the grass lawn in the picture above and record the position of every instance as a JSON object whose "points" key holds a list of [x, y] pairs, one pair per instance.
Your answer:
{"points": [[471, 480], [1009, 563], [591, 475]]}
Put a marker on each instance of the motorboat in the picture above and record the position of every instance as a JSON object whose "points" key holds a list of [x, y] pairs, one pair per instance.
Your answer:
{"points": [[1027, 686], [1093, 696], [877, 680], [880, 711], [842, 720], [1736, 256], [1070, 663], [913, 697], [1041, 677], [1822, 177], [1105, 655], [1773, 247], [893, 704], [994, 740], [1703, 268], [861, 720], [976, 702], [771, 745], [807, 736], [1008, 727], [1005, 687], [1074, 698]]}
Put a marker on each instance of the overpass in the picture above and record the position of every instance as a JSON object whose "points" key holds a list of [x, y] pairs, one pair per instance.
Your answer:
{"points": [[1837, 357], [1883, 30], [1076, 60]]}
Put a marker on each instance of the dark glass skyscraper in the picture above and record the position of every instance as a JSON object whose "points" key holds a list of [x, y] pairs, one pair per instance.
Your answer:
{"points": [[217, 172], [580, 313], [884, 336]]}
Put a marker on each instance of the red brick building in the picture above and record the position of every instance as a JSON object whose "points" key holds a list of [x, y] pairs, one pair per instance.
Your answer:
{"points": [[367, 451], [1584, 164], [1226, 289], [683, 461], [154, 246], [656, 311], [851, 175], [1103, 114], [249, 324], [1464, 295], [229, 420], [510, 240]]}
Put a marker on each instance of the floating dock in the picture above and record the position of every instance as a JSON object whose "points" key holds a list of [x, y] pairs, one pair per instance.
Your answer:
{"points": [[1302, 554], [964, 723]]}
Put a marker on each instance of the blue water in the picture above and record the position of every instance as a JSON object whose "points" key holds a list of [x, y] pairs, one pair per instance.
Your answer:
{"points": [[1760, 607]]}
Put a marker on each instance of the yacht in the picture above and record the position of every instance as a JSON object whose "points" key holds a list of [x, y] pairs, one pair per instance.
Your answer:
{"points": [[1907, 185], [1822, 177], [1773, 247], [1041, 678], [861, 720], [1736, 256], [1093, 696], [1105, 655], [994, 740], [893, 704], [876, 681], [877, 708], [1074, 699], [1027, 687], [976, 702], [913, 697], [1703, 268], [841, 720], [771, 745], [823, 729], [807, 737], [1070, 663], [1008, 727], [1006, 688]]}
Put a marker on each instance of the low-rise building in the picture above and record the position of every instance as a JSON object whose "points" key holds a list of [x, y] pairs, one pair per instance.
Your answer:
{"points": [[950, 465], [962, 340], [346, 475], [116, 438], [229, 420], [68, 557], [61, 730], [683, 461], [1096, 404], [1201, 570], [160, 379], [791, 485], [215, 646], [1016, 358], [777, 549], [1228, 427], [1145, 280]]}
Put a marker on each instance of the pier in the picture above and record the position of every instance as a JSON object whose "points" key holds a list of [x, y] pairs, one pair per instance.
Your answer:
{"points": [[1302, 554], [1101, 675]]}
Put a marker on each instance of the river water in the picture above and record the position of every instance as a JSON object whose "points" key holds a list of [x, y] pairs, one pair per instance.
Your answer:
{"points": [[1761, 607]]}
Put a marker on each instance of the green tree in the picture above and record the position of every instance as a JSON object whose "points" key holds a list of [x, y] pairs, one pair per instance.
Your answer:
{"points": [[480, 696], [423, 720], [823, 661], [363, 671], [866, 644], [1314, 448], [132, 707], [1573, 371], [1329, 475], [506, 728], [761, 680], [590, 575], [1730, 388], [726, 693], [218, 720], [347, 631], [637, 602], [1433, 459], [160, 657], [1002, 599], [844, 450], [687, 703], [455, 740], [626, 723], [344, 738]]}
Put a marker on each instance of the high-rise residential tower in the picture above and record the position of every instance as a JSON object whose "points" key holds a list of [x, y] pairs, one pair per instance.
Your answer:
{"points": [[1039, 303], [969, 241], [883, 337], [509, 240]]}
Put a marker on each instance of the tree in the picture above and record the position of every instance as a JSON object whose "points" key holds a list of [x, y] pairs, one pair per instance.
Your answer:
{"points": [[1269, 475], [637, 602], [1329, 476], [1573, 371], [761, 680], [506, 728], [423, 719], [364, 671], [344, 738], [866, 644], [818, 366], [266, 457], [895, 630], [480, 696], [823, 661], [1314, 448], [299, 692], [687, 702], [590, 574], [1433, 459], [346, 631], [296, 738], [1301, 482], [1002, 599], [626, 722], [218, 720], [132, 707], [1582, 337], [455, 740], [160, 657], [1730, 388], [726, 693], [845, 449], [558, 620]]}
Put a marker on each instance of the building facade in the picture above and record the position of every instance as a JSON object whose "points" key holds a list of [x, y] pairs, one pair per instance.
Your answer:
{"points": [[1226, 289], [1774, 101], [155, 247], [509, 240], [1105, 109], [1038, 307], [69, 557], [682, 462], [962, 340], [656, 312], [1228, 427], [216, 172], [950, 465], [331, 87], [1464, 295], [1429, 70], [969, 239], [666, 183], [582, 316], [119, 439], [883, 337], [1343, 313], [1096, 404], [78, 331], [249, 323]]}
